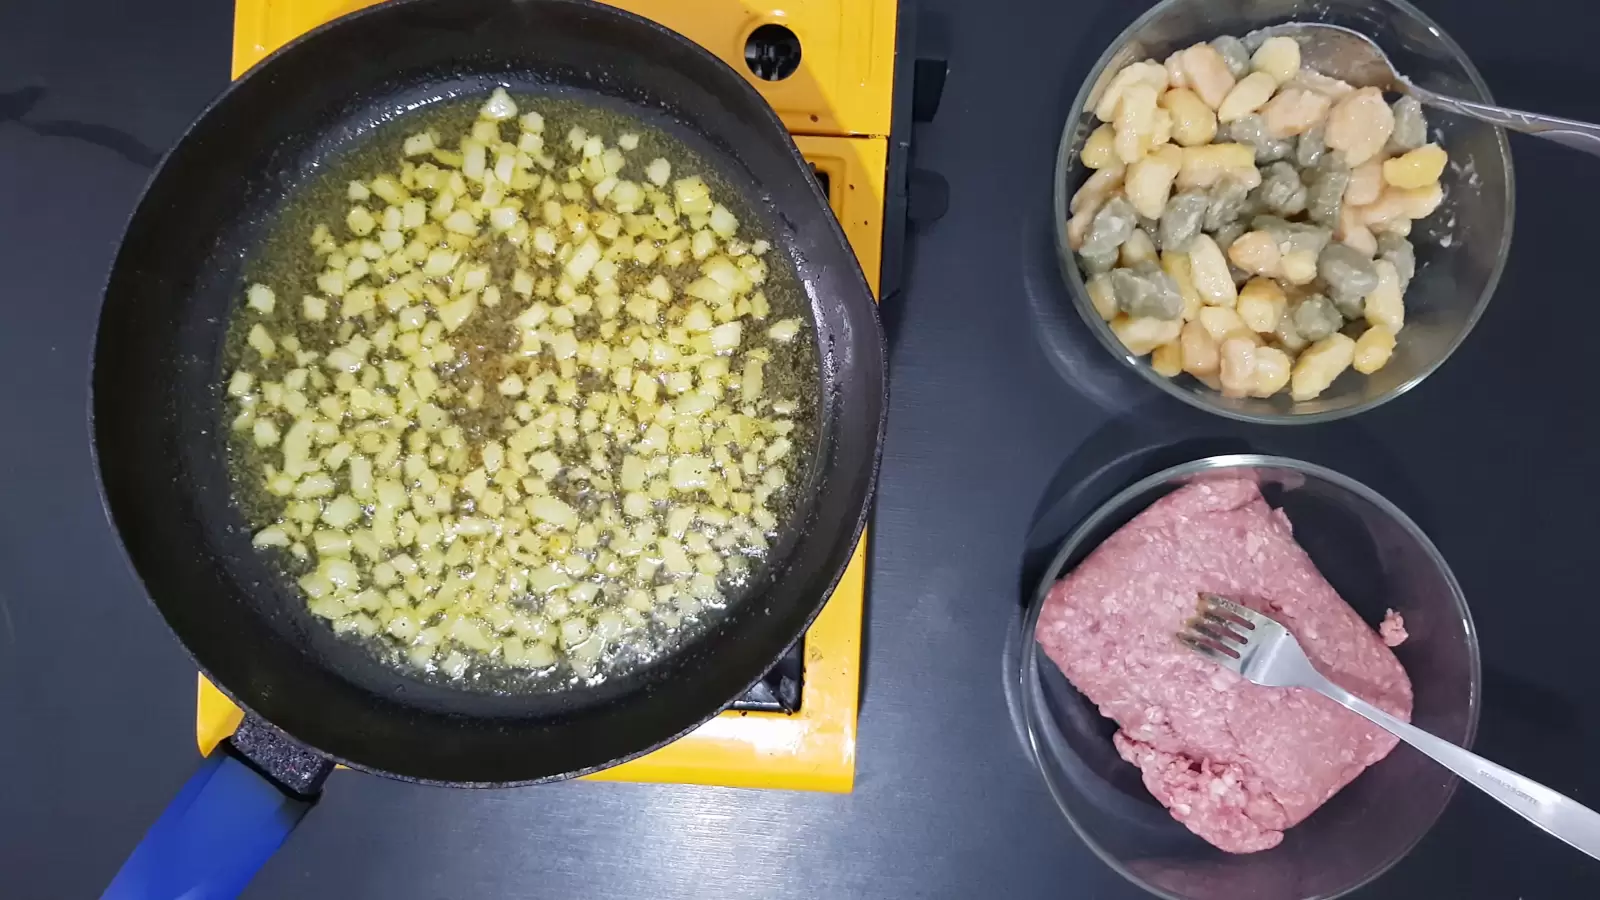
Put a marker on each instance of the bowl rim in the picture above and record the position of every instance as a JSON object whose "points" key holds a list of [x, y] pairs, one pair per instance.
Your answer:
{"points": [[1079, 290], [1031, 657]]}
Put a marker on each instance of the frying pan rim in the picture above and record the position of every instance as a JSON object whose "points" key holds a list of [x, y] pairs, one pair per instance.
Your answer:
{"points": [[878, 367]]}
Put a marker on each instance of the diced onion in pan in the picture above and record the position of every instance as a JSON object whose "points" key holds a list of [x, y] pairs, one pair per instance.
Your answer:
{"points": [[529, 409]]}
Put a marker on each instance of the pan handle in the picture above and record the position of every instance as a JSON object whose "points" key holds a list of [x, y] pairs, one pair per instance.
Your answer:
{"points": [[223, 826]]}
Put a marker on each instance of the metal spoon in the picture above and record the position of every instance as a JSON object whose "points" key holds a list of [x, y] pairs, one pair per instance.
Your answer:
{"points": [[1353, 57]]}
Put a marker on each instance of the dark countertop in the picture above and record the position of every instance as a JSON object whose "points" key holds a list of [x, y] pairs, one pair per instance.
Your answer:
{"points": [[96, 698]]}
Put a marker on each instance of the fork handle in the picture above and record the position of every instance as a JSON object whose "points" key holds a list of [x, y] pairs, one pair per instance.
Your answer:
{"points": [[1583, 136], [1559, 815]]}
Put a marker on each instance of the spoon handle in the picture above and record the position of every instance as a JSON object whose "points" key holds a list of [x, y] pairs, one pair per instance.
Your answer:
{"points": [[1577, 135]]}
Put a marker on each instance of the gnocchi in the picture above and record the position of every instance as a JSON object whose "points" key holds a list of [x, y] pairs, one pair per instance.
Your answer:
{"points": [[1099, 151], [1176, 265], [1248, 95], [1295, 111], [1146, 292], [1149, 180], [1204, 166], [1206, 72], [1355, 233], [1182, 218], [1415, 169], [1245, 218], [1198, 350], [1143, 334], [1209, 272], [1319, 364], [1194, 123], [1138, 249], [1220, 322], [1366, 182], [1145, 73], [1373, 349], [1360, 125], [1234, 53], [1273, 367], [1167, 360], [1102, 296], [1238, 366], [1261, 304], [1277, 57], [1385, 307], [1135, 123], [1255, 252]]}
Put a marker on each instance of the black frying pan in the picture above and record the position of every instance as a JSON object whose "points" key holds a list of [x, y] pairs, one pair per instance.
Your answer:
{"points": [[157, 410]]}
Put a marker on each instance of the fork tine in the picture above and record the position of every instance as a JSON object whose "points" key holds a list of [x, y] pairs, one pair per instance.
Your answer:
{"points": [[1218, 628], [1216, 603], [1208, 649]]}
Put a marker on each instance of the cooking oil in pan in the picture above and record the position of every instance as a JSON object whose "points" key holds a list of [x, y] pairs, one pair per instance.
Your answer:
{"points": [[475, 577]]}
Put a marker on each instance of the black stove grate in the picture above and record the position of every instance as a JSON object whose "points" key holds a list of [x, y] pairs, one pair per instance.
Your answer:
{"points": [[779, 690]]}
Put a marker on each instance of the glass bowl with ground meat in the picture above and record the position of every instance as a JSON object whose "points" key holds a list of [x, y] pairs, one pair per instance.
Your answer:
{"points": [[1264, 241], [1194, 784]]}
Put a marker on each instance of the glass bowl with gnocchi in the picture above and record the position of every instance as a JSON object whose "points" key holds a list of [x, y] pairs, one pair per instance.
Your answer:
{"points": [[1264, 240]]}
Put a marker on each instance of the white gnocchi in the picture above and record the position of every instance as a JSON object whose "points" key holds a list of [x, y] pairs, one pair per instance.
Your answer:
{"points": [[1245, 221]]}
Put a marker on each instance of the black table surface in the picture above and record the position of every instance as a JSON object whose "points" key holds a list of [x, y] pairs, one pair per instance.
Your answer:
{"points": [[995, 393]]}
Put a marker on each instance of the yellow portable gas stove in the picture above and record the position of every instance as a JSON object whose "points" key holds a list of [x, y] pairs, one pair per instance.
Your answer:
{"points": [[828, 69]]}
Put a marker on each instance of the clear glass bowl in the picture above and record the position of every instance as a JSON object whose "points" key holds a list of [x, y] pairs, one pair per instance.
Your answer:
{"points": [[1461, 248], [1377, 559]]}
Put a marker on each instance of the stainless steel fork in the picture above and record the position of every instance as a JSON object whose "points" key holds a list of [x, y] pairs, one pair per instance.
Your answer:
{"points": [[1264, 652]]}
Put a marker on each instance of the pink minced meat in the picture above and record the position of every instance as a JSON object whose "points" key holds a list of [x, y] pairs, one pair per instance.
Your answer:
{"points": [[1393, 629], [1235, 762]]}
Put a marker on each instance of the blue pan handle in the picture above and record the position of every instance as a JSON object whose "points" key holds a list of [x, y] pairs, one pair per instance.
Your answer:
{"points": [[215, 835]]}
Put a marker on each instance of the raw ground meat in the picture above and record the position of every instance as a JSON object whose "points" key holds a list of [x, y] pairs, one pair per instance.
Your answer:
{"points": [[1393, 629], [1235, 762]]}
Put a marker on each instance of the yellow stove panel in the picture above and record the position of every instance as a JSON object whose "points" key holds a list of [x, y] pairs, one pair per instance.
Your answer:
{"points": [[837, 104], [844, 85]]}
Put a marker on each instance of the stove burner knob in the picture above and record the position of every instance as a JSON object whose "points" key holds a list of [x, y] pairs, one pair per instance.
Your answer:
{"points": [[772, 52]]}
